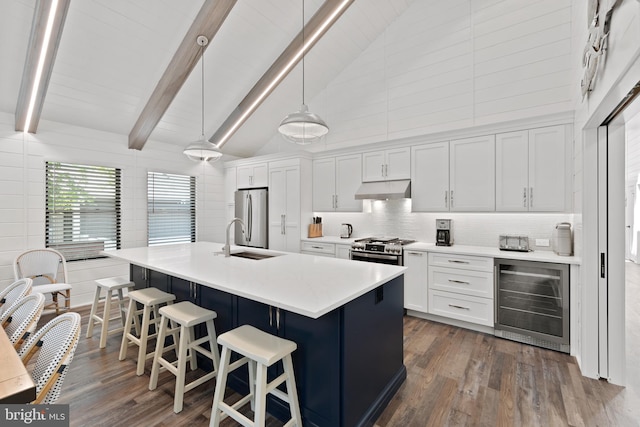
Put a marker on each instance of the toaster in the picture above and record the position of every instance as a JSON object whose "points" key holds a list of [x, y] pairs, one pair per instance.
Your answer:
{"points": [[512, 242]]}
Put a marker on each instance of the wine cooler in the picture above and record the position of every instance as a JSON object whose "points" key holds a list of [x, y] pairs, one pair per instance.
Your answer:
{"points": [[532, 303]]}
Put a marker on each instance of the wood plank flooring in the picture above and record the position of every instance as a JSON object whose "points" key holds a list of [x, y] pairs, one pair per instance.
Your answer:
{"points": [[454, 377]]}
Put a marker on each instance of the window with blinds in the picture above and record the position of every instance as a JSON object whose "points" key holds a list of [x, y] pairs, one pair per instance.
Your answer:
{"points": [[82, 209], [171, 208]]}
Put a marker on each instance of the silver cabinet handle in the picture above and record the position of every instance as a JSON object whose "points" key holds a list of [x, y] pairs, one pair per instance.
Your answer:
{"points": [[382, 170], [317, 247], [415, 253], [270, 316], [446, 198], [333, 201], [451, 198], [530, 196], [459, 282], [336, 206], [524, 197], [282, 224], [457, 261], [386, 170], [459, 306], [278, 318]]}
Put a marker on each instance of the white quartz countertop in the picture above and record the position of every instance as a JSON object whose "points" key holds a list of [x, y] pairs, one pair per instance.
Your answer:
{"points": [[541, 256], [304, 284]]}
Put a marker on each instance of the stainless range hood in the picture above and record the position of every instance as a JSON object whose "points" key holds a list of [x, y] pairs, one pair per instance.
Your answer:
{"points": [[383, 190]]}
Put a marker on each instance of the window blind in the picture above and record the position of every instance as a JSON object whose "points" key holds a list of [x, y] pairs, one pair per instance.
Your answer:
{"points": [[82, 209], [171, 208]]}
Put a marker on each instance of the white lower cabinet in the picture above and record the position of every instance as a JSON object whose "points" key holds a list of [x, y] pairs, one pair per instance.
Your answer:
{"points": [[461, 287], [343, 251], [415, 280], [322, 249]]}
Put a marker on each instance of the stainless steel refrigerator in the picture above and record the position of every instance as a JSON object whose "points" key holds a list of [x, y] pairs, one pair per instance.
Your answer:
{"points": [[252, 208]]}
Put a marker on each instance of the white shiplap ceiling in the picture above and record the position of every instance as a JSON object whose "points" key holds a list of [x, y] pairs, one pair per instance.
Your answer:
{"points": [[113, 52]]}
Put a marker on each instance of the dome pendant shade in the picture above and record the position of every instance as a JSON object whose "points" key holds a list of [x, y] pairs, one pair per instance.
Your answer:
{"points": [[202, 150], [303, 127]]}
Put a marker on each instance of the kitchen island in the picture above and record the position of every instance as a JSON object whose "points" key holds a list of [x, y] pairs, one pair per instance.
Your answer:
{"points": [[345, 316]]}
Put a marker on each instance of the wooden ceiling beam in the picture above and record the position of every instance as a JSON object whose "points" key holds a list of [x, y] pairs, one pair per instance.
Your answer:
{"points": [[316, 27], [35, 82], [207, 23]]}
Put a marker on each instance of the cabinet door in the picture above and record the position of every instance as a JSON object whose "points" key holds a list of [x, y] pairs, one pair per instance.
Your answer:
{"points": [[472, 174], [260, 176], [373, 166], [512, 171], [348, 178], [547, 169], [398, 163], [415, 280], [138, 275], [243, 176], [430, 177], [324, 184], [277, 203], [292, 209], [284, 208], [343, 251]]}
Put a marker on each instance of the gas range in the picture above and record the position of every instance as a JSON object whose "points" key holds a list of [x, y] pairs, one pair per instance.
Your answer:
{"points": [[387, 250]]}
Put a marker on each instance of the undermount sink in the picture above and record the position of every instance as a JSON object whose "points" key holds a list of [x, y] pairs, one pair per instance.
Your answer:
{"points": [[252, 255]]}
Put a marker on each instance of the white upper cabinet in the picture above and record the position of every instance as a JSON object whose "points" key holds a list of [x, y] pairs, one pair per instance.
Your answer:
{"points": [[386, 165], [252, 176], [335, 182], [430, 177], [472, 174], [324, 184], [531, 170], [512, 171], [548, 169]]}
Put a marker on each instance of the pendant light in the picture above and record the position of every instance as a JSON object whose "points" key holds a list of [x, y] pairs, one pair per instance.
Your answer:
{"points": [[202, 149], [303, 127]]}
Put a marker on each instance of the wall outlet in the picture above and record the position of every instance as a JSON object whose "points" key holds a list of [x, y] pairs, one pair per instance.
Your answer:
{"points": [[542, 242]]}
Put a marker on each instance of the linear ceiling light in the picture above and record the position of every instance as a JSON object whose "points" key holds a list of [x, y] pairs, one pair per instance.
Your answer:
{"points": [[257, 95], [37, 72]]}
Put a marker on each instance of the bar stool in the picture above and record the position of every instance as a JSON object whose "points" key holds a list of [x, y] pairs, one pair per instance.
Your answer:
{"points": [[109, 285], [259, 350], [187, 315], [151, 299]]}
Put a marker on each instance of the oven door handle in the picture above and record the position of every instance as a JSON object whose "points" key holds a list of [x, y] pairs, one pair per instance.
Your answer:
{"points": [[372, 256]]}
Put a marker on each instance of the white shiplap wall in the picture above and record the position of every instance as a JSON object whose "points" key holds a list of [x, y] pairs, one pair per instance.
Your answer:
{"points": [[451, 65], [22, 191]]}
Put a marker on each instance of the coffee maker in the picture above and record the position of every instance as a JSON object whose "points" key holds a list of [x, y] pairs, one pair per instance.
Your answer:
{"points": [[443, 232]]}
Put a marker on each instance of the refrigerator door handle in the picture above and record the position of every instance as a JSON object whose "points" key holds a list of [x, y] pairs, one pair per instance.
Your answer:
{"points": [[249, 217]]}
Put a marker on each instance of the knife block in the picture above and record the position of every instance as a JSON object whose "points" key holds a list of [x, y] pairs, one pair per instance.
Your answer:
{"points": [[315, 230]]}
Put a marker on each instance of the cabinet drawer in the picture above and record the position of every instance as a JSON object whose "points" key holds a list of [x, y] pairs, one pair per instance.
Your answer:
{"points": [[467, 282], [462, 307], [320, 248], [465, 262]]}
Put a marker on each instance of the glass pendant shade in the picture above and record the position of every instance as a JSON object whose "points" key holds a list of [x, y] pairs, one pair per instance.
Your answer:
{"points": [[202, 150], [303, 127]]}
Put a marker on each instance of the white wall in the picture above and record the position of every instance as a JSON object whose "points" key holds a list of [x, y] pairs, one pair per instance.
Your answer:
{"points": [[446, 65], [22, 191]]}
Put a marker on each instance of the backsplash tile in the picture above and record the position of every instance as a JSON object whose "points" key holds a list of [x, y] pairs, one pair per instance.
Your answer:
{"points": [[394, 218]]}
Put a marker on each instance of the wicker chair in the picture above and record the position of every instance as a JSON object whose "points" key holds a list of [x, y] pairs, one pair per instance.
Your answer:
{"points": [[48, 270], [22, 318], [55, 344], [14, 292]]}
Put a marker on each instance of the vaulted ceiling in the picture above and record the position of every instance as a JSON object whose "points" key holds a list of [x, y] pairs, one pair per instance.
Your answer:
{"points": [[113, 53]]}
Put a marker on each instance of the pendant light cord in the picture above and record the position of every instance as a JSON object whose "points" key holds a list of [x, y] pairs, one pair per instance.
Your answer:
{"points": [[202, 60], [303, 52]]}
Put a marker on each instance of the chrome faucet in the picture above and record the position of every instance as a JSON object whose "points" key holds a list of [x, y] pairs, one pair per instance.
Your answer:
{"points": [[227, 247]]}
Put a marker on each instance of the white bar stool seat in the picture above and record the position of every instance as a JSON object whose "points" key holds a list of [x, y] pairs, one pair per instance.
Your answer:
{"points": [[187, 315], [151, 299], [259, 350], [109, 285]]}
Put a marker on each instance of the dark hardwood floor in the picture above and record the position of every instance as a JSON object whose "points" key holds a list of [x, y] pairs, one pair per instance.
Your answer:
{"points": [[454, 377]]}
